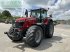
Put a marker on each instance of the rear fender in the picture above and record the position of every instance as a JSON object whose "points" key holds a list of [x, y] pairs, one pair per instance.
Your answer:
{"points": [[50, 20]]}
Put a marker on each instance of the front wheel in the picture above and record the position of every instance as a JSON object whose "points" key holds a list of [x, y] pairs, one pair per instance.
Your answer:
{"points": [[14, 36], [34, 36]]}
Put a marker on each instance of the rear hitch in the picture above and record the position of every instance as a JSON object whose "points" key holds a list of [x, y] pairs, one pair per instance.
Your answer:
{"points": [[5, 32]]}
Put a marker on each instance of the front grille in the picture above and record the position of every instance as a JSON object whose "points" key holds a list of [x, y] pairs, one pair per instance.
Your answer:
{"points": [[18, 24]]}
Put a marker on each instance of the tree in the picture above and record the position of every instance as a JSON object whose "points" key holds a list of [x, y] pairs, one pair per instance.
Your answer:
{"points": [[6, 13], [1, 17]]}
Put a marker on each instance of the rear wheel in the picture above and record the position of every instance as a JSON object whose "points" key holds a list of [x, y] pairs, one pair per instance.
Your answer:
{"points": [[34, 36], [14, 36], [49, 30]]}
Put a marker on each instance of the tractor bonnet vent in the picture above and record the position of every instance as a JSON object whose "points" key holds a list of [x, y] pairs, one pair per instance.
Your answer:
{"points": [[18, 24]]}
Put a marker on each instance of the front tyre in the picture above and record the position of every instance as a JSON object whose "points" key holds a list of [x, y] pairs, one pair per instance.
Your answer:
{"points": [[14, 36], [34, 36]]}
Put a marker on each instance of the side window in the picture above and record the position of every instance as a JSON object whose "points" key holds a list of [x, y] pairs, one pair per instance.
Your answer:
{"points": [[44, 15]]}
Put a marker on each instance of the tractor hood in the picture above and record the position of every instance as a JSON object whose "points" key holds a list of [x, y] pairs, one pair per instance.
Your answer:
{"points": [[21, 19], [25, 19]]}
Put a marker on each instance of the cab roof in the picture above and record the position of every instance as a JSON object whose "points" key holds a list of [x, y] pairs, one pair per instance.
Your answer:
{"points": [[40, 9]]}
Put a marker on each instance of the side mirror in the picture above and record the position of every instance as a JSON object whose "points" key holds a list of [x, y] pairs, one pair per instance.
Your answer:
{"points": [[51, 15], [48, 8]]}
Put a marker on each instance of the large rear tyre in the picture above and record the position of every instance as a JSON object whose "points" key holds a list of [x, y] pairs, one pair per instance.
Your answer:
{"points": [[49, 30], [34, 36], [14, 36]]}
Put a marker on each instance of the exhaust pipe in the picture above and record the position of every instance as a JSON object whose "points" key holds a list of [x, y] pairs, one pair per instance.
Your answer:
{"points": [[5, 32]]}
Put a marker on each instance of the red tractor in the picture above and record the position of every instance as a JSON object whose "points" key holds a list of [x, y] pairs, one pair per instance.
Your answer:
{"points": [[32, 29]]}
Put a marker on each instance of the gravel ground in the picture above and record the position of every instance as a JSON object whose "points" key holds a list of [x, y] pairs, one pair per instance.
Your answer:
{"points": [[59, 43]]}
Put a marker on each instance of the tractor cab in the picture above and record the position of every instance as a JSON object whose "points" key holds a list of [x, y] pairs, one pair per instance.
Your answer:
{"points": [[39, 14]]}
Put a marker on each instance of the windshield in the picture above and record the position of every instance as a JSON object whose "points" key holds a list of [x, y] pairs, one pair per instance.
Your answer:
{"points": [[37, 14]]}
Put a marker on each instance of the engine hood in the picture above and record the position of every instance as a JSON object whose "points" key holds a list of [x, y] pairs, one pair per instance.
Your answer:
{"points": [[24, 19], [21, 19]]}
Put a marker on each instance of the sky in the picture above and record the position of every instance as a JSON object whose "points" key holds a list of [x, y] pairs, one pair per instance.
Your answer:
{"points": [[60, 9]]}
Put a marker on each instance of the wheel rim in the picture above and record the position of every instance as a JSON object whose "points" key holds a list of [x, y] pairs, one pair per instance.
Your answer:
{"points": [[38, 36], [51, 29]]}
